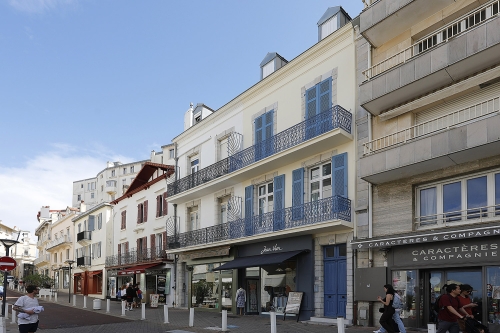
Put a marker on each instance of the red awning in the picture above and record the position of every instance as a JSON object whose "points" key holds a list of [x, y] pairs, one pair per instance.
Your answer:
{"points": [[94, 273], [136, 269]]}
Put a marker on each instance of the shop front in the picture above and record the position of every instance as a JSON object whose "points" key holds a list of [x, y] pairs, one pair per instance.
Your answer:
{"points": [[420, 267], [153, 279], [269, 271]]}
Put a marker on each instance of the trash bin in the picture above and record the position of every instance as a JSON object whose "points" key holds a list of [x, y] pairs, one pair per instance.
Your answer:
{"points": [[97, 304]]}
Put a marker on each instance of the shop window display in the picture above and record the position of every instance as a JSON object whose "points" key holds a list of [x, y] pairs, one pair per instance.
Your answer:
{"points": [[276, 283], [405, 283], [493, 293], [205, 286]]}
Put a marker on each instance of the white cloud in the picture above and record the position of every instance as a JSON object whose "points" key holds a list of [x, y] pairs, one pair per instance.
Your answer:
{"points": [[46, 180], [39, 6]]}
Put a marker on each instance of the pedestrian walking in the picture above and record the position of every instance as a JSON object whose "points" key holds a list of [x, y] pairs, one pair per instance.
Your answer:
{"points": [[131, 294], [27, 304], [397, 304], [386, 319], [448, 313], [466, 304]]}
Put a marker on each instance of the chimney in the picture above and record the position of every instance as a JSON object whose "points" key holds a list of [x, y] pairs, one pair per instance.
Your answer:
{"points": [[83, 207]]}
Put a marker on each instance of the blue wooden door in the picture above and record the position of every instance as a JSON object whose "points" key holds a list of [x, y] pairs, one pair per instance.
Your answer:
{"points": [[335, 279]]}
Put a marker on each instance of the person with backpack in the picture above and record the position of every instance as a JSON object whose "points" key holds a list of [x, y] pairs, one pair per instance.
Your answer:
{"points": [[397, 304], [448, 313]]}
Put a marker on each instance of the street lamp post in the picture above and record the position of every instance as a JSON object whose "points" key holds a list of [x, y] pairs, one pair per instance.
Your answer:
{"points": [[69, 262], [7, 243]]}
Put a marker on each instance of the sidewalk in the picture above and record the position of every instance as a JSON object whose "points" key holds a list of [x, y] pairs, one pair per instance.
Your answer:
{"points": [[204, 321]]}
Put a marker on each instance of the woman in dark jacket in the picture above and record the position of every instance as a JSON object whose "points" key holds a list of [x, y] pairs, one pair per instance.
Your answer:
{"points": [[386, 319], [130, 297]]}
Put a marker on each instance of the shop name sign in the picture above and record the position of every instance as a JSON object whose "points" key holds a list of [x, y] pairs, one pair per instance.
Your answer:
{"points": [[436, 237], [456, 252], [275, 248]]}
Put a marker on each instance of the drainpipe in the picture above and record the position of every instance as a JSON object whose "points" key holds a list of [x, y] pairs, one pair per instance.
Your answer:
{"points": [[176, 260], [370, 210]]}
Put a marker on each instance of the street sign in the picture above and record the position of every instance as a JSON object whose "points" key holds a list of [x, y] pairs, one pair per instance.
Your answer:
{"points": [[7, 263]]}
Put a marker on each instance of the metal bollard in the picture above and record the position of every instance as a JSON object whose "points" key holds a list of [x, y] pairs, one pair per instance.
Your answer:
{"points": [[74, 300], [55, 297], [273, 322], [108, 305], [191, 317], [7, 311], [123, 309], [50, 297], [13, 321], [431, 328], [3, 325], [224, 320], [143, 312], [84, 302], [165, 314], [340, 325]]}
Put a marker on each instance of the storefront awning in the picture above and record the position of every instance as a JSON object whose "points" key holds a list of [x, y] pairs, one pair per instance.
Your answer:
{"points": [[94, 273], [258, 261], [136, 269]]}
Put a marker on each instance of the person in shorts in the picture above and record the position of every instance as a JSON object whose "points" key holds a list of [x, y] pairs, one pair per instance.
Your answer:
{"points": [[28, 301]]}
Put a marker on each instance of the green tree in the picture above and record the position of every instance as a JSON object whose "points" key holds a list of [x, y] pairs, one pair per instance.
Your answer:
{"points": [[42, 281]]}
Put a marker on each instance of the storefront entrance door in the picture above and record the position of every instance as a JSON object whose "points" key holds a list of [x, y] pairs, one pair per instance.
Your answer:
{"points": [[252, 303]]}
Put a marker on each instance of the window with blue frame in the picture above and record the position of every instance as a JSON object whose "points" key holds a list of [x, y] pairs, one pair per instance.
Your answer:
{"points": [[472, 198], [264, 128], [318, 100]]}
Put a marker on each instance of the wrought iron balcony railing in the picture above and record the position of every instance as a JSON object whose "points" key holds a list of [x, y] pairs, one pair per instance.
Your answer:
{"points": [[332, 208], [84, 235], [83, 261], [335, 117], [137, 256]]}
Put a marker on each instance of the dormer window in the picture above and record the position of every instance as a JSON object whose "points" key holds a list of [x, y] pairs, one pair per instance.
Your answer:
{"points": [[267, 69], [197, 118], [333, 19], [329, 26]]}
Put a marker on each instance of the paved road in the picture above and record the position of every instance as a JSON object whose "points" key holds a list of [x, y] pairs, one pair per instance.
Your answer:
{"points": [[60, 316]]}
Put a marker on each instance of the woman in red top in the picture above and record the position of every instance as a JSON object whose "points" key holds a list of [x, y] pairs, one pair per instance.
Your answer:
{"points": [[465, 300]]}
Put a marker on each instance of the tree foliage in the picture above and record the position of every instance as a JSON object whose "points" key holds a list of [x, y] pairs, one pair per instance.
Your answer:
{"points": [[42, 281]]}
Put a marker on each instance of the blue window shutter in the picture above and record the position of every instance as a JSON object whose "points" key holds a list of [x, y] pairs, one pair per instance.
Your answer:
{"points": [[268, 125], [339, 175], [311, 102], [91, 222], [279, 202], [297, 193], [248, 210], [325, 95], [259, 124]]}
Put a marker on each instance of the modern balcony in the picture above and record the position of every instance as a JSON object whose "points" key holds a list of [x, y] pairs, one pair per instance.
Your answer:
{"points": [[332, 214], [83, 261], [327, 129], [460, 49], [43, 259], [64, 240], [450, 219], [84, 237], [135, 256], [455, 138], [386, 19]]}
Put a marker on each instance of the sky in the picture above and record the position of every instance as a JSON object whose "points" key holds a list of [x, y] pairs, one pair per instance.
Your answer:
{"points": [[83, 82]]}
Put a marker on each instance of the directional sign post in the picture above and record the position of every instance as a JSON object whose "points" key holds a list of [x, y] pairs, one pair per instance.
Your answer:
{"points": [[7, 264]]}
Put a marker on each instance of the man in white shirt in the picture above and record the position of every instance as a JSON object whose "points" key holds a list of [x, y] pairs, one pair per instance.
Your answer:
{"points": [[25, 304]]}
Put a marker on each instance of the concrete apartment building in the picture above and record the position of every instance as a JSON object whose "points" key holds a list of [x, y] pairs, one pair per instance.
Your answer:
{"points": [[264, 186], [429, 146], [23, 252]]}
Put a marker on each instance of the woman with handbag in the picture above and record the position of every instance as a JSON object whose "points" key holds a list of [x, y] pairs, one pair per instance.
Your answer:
{"points": [[386, 319]]}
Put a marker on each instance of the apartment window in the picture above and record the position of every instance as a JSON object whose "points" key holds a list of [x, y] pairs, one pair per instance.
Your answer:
{"points": [[223, 209], [131, 169], [102, 188], [321, 182], [124, 182], [79, 197], [113, 173], [92, 186], [124, 220], [194, 221], [124, 171], [318, 99], [26, 252], [79, 227], [195, 164], [96, 250], [265, 198], [159, 241], [67, 254], [475, 197], [91, 223], [171, 153], [161, 205], [142, 212], [92, 195], [81, 186], [223, 149], [55, 258], [99, 221], [263, 131], [132, 179]]}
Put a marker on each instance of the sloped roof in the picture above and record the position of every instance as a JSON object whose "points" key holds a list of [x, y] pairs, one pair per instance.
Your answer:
{"points": [[332, 11], [142, 180]]}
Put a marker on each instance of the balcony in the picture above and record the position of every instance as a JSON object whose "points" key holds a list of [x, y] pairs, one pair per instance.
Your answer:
{"points": [[450, 219], [65, 240], [83, 261], [327, 129], [84, 237], [111, 186], [135, 256], [317, 216], [458, 137], [44, 259], [462, 48], [386, 19]]}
